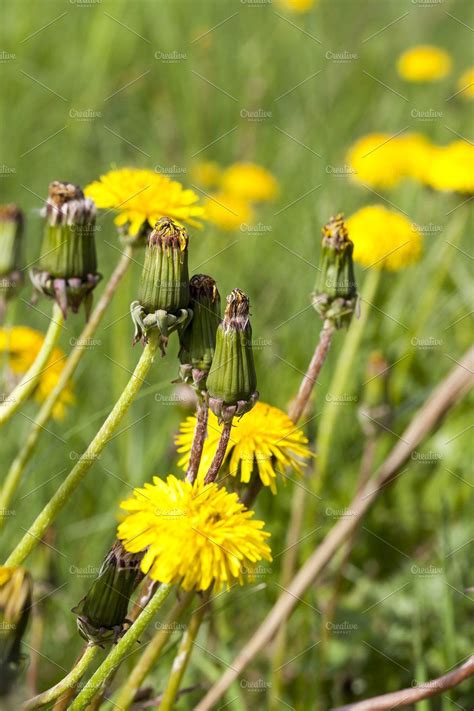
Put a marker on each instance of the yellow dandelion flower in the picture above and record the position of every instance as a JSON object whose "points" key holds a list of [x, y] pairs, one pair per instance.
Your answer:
{"points": [[382, 160], [249, 181], [228, 211], [424, 63], [451, 168], [297, 5], [465, 84], [140, 196], [207, 173], [194, 535], [265, 438], [383, 239], [21, 346]]}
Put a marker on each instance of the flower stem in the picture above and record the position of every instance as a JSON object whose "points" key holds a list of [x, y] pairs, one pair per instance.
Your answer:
{"points": [[17, 467], [182, 657], [345, 363], [121, 649], [69, 681], [30, 379], [152, 652], [199, 438], [219, 454], [33, 536]]}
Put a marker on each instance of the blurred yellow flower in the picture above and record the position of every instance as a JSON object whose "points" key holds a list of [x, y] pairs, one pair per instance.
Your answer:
{"points": [[207, 173], [228, 211], [249, 181], [297, 5], [451, 168], [141, 196], [21, 345], [194, 535], [383, 160], [424, 63], [465, 84], [265, 439], [383, 239]]}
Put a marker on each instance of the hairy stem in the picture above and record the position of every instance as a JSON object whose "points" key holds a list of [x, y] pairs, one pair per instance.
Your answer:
{"points": [[219, 454], [33, 536], [30, 379], [199, 438], [17, 467], [121, 649], [69, 681]]}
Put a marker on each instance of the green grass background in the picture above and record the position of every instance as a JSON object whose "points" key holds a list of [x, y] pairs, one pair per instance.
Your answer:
{"points": [[102, 57]]}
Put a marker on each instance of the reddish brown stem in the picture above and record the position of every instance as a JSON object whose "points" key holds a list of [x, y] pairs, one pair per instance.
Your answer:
{"points": [[200, 432], [220, 453]]}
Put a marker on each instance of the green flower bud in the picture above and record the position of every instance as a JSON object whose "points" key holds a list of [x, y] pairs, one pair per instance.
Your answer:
{"points": [[68, 262], [15, 605], [198, 339], [232, 380], [11, 231], [165, 279], [164, 285], [335, 296], [102, 613]]}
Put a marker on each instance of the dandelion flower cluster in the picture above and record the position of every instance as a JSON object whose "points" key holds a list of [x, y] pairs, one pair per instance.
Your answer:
{"points": [[382, 161], [144, 196], [451, 168], [383, 239], [21, 346], [237, 188], [466, 84], [194, 535], [265, 438], [424, 63]]}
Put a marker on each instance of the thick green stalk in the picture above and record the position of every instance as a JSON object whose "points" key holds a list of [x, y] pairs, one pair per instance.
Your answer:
{"points": [[33, 536], [121, 649], [69, 681], [29, 381], [181, 659], [346, 362], [152, 652], [17, 467]]}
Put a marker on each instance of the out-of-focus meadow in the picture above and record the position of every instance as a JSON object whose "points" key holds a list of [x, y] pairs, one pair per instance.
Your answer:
{"points": [[91, 84]]}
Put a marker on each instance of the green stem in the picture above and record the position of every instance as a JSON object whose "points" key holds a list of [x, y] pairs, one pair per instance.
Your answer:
{"points": [[69, 681], [121, 649], [181, 659], [346, 362], [33, 536], [152, 652], [30, 379], [17, 467]]}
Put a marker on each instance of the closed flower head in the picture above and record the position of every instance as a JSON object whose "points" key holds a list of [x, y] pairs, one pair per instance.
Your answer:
{"points": [[67, 268], [264, 443], [232, 380], [198, 338], [194, 535], [383, 239]]}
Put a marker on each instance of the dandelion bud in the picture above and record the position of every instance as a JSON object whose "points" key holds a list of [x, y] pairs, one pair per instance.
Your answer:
{"points": [[198, 339], [11, 229], [164, 286], [232, 380], [15, 605], [102, 613], [335, 296], [68, 263]]}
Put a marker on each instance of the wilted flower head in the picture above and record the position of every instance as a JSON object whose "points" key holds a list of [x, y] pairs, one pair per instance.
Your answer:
{"points": [[383, 239], [21, 345], [143, 196], [195, 535], [249, 181], [265, 441], [424, 63]]}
